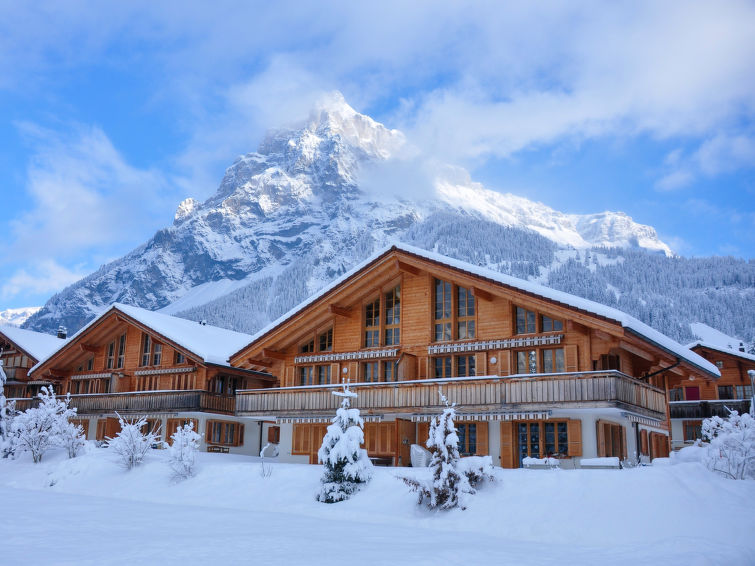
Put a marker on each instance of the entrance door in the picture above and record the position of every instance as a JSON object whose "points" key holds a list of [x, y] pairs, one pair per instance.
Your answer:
{"points": [[691, 393], [407, 435]]}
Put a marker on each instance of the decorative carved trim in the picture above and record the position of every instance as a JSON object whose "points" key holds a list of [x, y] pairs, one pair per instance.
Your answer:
{"points": [[164, 371], [361, 355], [454, 347]]}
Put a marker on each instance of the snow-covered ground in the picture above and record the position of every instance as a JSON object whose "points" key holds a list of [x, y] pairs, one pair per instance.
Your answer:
{"points": [[89, 511]]}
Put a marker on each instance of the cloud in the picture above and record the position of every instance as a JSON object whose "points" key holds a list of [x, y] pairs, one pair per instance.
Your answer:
{"points": [[44, 277]]}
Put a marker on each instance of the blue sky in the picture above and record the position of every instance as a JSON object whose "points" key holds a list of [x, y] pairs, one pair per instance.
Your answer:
{"points": [[111, 114]]}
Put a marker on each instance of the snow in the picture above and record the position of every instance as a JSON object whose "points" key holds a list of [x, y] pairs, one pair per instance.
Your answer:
{"points": [[36, 344], [710, 335], [89, 511], [212, 344], [611, 461], [16, 317], [626, 321]]}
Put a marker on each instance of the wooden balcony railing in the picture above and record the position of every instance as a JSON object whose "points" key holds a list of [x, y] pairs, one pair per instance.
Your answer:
{"points": [[496, 393], [707, 409], [145, 402]]}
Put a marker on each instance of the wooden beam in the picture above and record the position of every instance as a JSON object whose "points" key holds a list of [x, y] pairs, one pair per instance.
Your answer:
{"points": [[637, 351], [480, 294], [268, 353], [340, 311], [88, 348], [406, 268], [600, 335], [572, 326], [260, 363]]}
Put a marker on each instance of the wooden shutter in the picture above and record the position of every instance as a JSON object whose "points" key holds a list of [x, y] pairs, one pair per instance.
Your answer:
{"points": [[644, 442], [300, 442], [574, 433], [289, 382], [481, 363], [601, 438], [482, 439], [335, 373], [274, 434], [208, 432], [101, 429], [240, 439], [504, 362], [423, 431], [507, 444], [572, 362], [623, 442]]}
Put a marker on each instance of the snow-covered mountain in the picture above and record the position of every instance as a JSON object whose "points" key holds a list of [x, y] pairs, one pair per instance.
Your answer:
{"points": [[16, 317], [312, 201]]}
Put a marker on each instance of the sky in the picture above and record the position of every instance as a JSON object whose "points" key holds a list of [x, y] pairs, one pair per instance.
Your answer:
{"points": [[112, 113]]}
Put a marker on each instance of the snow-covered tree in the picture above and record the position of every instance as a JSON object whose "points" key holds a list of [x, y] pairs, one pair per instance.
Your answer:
{"points": [[4, 429], [131, 444], [38, 428], [450, 483], [182, 453], [731, 451], [346, 462], [71, 437]]}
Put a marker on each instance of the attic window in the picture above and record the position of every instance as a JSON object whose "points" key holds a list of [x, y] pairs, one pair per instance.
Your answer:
{"points": [[548, 324], [525, 321], [307, 347], [325, 341], [719, 364]]}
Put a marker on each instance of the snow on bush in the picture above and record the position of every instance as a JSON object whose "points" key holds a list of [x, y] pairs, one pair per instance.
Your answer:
{"points": [[731, 451], [183, 452], [4, 417], [346, 463], [131, 444], [452, 480], [39, 428], [71, 437]]}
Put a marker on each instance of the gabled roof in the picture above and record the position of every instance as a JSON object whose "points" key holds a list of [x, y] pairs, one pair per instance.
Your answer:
{"points": [[36, 344], [723, 349], [590, 307], [211, 344]]}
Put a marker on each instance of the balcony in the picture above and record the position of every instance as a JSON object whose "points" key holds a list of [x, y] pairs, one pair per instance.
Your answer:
{"points": [[145, 402], [471, 394], [706, 409]]}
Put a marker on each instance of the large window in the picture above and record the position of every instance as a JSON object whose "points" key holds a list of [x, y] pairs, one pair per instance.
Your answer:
{"points": [[225, 432], [726, 392], [393, 317], [744, 391], [529, 322], [389, 370], [306, 375], [553, 361], [526, 361], [146, 349], [383, 328], [467, 433], [372, 324], [442, 367], [465, 366], [121, 351], [454, 366], [540, 439], [325, 341], [157, 354], [323, 374], [453, 312], [370, 372], [110, 355], [548, 324]]}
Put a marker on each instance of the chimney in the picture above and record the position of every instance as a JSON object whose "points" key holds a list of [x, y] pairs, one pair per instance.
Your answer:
{"points": [[741, 346], [62, 332]]}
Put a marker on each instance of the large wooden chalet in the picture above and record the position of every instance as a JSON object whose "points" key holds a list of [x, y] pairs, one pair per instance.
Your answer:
{"points": [[135, 362], [20, 350], [533, 371], [692, 400]]}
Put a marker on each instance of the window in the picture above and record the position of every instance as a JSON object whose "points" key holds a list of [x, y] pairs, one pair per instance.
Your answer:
{"points": [[146, 349], [465, 366], [693, 430], [442, 367], [456, 366], [90, 364], [526, 361], [225, 432], [547, 324], [467, 433], [174, 424], [274, 435], [542, 439], [307, 347], [121, 351], [692, 393], [110, 355], [157, 355], [525, 321], [370, 372], [306, 374], [744, 391], [454, 312], [323, 375], [676, 394], [389, 370], [325, 341], [465, 326], [393, 317], [372, 324], [553, 361], [179, 358], [726, 392], [719, 364]]}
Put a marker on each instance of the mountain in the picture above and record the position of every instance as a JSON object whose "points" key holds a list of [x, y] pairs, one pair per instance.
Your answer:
{"points": [[16, 317], [315, 199]]}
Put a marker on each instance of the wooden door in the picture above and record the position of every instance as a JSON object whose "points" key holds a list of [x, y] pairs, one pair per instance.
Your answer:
{"points": [[407, 435]]}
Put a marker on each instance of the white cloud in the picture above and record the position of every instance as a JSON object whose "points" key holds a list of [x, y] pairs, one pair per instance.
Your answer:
{"points": [[44, 277]]}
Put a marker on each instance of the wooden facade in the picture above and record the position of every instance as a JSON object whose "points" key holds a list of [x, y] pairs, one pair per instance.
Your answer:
{"points": [[406, 323], [18, 356]]}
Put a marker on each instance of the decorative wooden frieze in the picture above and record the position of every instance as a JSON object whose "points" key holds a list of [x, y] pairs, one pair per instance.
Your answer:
{"points": [[488, 416], [163, 371], [454, 347], [361, 355], [106, 374]]}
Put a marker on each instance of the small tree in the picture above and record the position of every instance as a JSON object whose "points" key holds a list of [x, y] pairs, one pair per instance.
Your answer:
{"points": [[131, 444], [71, 437], [38, 428], [346, 463], [731, 451], [4, 420], [183, 452]]}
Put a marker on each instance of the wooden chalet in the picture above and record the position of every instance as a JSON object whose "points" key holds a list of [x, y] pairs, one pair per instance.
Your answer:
{"points": [[692, 400], [20, 350], [141, 363], [533, 371]]}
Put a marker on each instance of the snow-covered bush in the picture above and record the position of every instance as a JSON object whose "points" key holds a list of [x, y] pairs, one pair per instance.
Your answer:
{"points": [[182, 453], [450, 483], [131, 444], [731, 451], [38, 428], [4, 418], [346, 463], [71, 437]]}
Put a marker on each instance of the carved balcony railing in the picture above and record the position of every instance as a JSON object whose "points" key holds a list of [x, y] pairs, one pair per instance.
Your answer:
{"points": [[475, 394], [707, 409]]}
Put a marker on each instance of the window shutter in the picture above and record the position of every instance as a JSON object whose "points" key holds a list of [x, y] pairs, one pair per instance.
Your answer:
{"points": [[644, 442], [273, 434], [335, 373], [208, 432], [570, 353], [482, 439], [100, 429], [289, 377], [574, 432], [507, 444], [481, 363], [423, 431], [370, 438], [240, 441], [601, 435], [504, 362]]}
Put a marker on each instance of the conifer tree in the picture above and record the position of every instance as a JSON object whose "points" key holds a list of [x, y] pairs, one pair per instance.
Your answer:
{"points": [[346, 462]]}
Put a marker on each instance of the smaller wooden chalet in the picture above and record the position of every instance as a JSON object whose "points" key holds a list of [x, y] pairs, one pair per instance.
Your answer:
{"points": [[692, 400], [534, 372], [170, 370], [20, 350]]}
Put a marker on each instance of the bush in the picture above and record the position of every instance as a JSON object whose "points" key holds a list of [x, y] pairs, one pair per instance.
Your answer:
{"points": [[131, 444], [39, 428], [731, 449], [182, 453]]}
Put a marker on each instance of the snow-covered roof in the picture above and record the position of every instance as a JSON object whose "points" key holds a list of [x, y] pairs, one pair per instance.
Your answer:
{"points": [[211, 344], [36, 344], [724, 349], [628, 322]]}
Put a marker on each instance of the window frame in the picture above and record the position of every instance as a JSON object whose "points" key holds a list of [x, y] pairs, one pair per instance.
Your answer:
{"points": [[447, 328]]}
